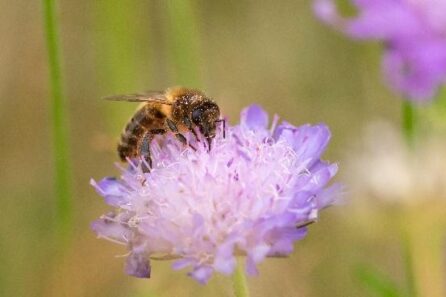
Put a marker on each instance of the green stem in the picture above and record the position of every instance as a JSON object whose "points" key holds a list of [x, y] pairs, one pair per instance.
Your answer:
{"points": [[59, 122], [239, 282], [408, 264], [184, 42], [121, 55], [409, 121], [408, 126], [438, 109], [423, 251]]}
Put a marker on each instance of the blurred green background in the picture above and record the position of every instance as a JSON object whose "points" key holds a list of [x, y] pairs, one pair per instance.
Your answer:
{"points": [[238, 52]]}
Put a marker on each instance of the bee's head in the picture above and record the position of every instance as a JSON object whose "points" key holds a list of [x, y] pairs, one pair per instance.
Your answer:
{"points": [[205, 116]]}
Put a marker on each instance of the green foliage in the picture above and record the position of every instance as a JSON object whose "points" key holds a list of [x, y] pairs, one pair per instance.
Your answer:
{"points": [[376, 283]]}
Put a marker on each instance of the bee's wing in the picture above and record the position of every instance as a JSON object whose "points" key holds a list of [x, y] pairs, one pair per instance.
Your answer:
{"points": [[151, 96]]}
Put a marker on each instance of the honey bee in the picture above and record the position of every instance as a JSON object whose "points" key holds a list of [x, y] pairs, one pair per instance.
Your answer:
{"points": [[175, 110]]}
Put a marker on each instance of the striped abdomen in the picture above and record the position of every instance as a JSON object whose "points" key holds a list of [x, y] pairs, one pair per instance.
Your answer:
{"points": [[146, 118]]}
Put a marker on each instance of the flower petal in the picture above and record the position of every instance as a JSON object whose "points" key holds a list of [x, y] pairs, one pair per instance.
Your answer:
{"points": [[254, 117], [114, 191], [109, 226], [202, 274], [138, 265]]}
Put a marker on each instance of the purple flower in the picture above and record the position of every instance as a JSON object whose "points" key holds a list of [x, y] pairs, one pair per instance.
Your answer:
{"points": [[252, 195], [413, 33]]}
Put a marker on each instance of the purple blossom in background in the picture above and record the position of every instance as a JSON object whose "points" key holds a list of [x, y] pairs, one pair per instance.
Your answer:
{"points": [[413, 33], [252, 195]]}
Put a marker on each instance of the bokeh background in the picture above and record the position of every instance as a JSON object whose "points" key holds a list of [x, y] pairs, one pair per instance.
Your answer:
{"points": [[239, 52]]}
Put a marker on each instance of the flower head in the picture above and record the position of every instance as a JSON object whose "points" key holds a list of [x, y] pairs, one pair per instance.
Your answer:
{"points": [[413, 33], [253, 194]]}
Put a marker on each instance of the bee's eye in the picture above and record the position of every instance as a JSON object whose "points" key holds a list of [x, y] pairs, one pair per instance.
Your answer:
{"points": [[196, 115]]}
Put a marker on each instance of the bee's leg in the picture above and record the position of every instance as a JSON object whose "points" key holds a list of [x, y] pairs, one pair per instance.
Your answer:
{"points": [[173, 127], [209, 140], [188, 124], [144, 152], [145, 147], [224, 126]]}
